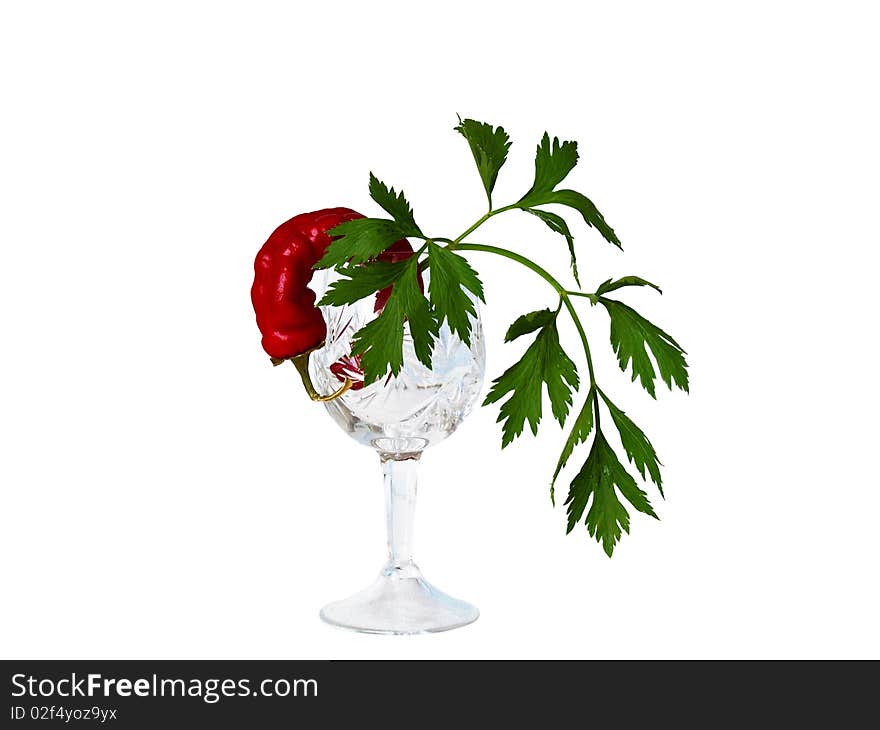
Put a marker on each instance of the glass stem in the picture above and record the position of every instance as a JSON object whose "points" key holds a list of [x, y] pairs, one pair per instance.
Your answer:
{"points": [[400, 507]]}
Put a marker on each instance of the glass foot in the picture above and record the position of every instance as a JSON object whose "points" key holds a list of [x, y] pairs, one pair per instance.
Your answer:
{"points": [[400, 601]]}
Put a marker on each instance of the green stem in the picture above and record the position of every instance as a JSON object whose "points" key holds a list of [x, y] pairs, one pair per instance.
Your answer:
{"points": [[580, 328], [546, 276], [474, 227], [481, 221], [452, 244], [513, 256]]}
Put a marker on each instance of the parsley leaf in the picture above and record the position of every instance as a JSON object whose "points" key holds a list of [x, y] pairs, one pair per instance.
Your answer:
{"points": [[395, 204], [362, 281], [451, 274], [552, 164], [362, 239], [607, 517], [543, 362], [489, 147], [529, 323], [557, 224], [612, 284], [581, 203], [635, 443], [380, 341], [631, 333], [580, 431]]}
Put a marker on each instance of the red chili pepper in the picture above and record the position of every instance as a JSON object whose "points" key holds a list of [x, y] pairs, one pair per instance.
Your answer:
{"points": [[283, 302], [290, 323]]}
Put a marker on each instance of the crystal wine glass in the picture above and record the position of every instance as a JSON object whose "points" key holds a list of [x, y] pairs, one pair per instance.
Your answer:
{"points": [[399, 417]]}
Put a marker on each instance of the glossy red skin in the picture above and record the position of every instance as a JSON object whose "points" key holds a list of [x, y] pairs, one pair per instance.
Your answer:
{"points": [[284, 305], [283, 302]]}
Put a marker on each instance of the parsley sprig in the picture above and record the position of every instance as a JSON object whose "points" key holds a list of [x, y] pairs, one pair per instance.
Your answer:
{"points": [[603, 487]]}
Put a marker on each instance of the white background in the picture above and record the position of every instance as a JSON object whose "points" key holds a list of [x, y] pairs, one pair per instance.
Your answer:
{"points": [[167, 493]]}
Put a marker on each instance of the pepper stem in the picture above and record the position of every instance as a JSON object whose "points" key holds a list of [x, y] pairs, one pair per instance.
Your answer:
{"points": [[301, 362]]}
